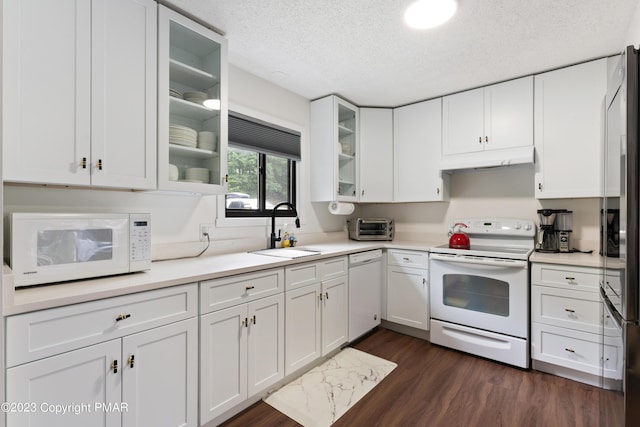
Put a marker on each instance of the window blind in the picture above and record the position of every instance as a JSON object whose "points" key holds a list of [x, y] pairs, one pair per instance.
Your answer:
{"points": [[253, 134]]}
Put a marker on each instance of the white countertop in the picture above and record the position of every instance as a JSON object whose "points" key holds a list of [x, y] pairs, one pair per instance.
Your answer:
{"points": [[576, 259], [189, 270], [171, 273]]}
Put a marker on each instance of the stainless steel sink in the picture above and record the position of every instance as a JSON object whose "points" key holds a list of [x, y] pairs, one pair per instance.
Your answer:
{"points": [[290, 253]]}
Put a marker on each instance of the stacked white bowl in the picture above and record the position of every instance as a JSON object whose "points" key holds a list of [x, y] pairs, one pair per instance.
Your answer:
{"points": [[207, 140], [195, 97], [174, 172], [197, 175]]}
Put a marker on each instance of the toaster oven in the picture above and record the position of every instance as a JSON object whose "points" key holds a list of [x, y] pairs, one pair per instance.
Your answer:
{"points": [[370, 229]]}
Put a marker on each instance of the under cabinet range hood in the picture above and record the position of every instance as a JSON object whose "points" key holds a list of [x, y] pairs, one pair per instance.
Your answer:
{"points": [[488, 159]]}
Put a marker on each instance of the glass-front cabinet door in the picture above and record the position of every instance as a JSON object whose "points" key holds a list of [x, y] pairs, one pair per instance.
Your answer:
{"points": [[192, 106], [347, 138], [334, 150]]}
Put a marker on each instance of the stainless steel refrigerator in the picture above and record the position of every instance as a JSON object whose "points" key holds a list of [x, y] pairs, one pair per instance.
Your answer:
{"points": [[621, 231]]}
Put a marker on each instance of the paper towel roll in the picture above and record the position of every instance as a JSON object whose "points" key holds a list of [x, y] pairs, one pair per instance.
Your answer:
{"points": [[340, 208]]}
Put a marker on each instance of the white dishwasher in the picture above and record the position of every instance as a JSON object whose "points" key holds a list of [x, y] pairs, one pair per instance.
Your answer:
{"points": [[365, 292]]}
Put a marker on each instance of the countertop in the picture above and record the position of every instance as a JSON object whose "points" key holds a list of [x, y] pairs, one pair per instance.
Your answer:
{"points": [[188, 270], [173, 272], [576, 259]]}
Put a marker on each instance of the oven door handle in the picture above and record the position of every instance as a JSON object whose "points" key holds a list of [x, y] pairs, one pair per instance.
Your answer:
{"points": [[480, 261]]}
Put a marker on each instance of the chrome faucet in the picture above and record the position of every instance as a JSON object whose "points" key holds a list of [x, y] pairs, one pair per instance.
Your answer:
{"points": [[273, 239]]}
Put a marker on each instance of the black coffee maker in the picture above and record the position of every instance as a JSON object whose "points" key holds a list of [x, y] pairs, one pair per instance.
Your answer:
{"points": [[547, 233]]}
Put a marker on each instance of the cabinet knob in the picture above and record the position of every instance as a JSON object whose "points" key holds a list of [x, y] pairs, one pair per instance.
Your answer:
{"points": [[122, 317]]}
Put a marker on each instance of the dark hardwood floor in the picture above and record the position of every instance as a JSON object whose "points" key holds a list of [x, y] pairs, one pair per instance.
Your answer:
{"points": [[435, 386]]}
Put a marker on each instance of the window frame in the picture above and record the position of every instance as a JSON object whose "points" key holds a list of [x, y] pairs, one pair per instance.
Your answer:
{"points": [[221, 218], [262, 211]]}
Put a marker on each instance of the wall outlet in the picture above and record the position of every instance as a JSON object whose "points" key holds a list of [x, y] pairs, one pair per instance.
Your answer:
{"points": [[204, 230]]}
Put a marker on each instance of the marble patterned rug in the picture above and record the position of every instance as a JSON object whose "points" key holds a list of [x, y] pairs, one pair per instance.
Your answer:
{"points": [[322, 395]]}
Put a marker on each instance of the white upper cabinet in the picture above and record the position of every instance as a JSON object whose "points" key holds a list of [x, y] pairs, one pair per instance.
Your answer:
{"points": [[376, 155], [416, 152], [495, 120], [192, 106], [334, 150], [569, 131], [79, 92]]}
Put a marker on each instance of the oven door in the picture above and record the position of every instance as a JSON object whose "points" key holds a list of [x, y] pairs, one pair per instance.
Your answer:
{"points": [[485, 293]]}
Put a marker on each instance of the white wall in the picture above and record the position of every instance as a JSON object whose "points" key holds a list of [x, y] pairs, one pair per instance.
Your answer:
{"points": [[503, 192], [633, 34], [176, 217]]}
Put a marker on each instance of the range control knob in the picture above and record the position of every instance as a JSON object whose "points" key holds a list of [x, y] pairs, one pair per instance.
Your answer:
{"points": [[518, 226], [527, 226]]}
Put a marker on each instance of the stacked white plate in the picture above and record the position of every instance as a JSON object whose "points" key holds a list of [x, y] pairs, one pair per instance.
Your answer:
{"points": [[207, 140], [197, 174], [196, 97], [182, 135], [175, 93]]}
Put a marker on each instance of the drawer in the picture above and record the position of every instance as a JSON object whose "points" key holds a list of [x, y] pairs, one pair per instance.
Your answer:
{"points": [[415, 259], [334, 267], [302, 275], [567, 308], [222, 293], [39, 334], [575, 350], [566, 277]]}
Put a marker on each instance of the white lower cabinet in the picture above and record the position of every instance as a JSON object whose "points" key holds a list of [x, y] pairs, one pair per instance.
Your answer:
{"points": [[241, 348], [567, 330], [73, 381], [143, 378], [316, 311], [408, 288]]}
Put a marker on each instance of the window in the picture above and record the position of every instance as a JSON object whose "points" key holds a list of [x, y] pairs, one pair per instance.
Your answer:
{"points": [[261, 164]]}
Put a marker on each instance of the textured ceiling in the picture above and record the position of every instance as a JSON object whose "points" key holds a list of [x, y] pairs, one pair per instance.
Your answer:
{"points": [[361, 49]]}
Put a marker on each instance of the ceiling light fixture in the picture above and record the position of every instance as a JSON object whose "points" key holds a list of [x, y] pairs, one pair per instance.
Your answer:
{"points": [[424, 14]]}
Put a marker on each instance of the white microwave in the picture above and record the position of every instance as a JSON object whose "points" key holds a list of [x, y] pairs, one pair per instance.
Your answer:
{"points": [[53, 247]]}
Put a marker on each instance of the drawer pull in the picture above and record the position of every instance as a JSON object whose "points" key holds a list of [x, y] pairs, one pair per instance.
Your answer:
{"points": [[568, 310], [122, 317], [245, 322], [320, 296], [570, 350], [570, 279], [248, 288], [114, 366], [253, 319], [406, 259], [131, 360]]}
